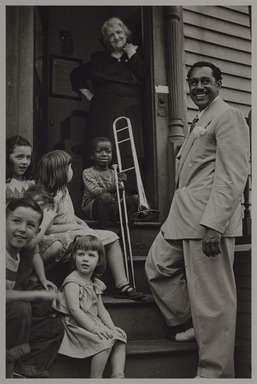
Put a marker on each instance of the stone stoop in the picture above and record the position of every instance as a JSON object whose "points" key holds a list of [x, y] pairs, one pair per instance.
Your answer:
{"points": [[158, 358], [161, 358], [142, 235], [150, 354]]}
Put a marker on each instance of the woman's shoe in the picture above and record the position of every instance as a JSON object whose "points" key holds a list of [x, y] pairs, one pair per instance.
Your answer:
{"points": [[127, 292]]}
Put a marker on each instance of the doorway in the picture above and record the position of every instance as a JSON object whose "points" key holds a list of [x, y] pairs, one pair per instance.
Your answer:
{"points": [[82, 25]]}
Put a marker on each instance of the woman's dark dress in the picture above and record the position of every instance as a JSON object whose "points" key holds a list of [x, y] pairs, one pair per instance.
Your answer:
{"points": [[118, 91]]}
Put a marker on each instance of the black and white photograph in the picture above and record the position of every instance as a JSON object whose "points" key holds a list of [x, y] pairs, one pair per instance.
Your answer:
{"points": [[128, 191]]}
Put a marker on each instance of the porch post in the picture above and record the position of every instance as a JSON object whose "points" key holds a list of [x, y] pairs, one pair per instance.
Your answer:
{"points": [[19, 71], [174, 44], [174, 48]]}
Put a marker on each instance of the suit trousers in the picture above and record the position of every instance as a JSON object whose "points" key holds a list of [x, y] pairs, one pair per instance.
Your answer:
{"points": [[187, 284]]}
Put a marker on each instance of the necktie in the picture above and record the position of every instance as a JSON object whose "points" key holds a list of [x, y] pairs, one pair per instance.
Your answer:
{"points": [[196, 119]]}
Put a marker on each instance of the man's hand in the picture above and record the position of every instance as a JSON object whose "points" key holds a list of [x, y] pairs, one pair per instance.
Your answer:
{"points": [[211, 242]]}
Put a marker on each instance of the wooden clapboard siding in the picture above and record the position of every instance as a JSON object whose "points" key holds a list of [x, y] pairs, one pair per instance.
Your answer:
{"points": [[214, 12], [221, 35], [198, 33], [237, 70], [213, 18]]}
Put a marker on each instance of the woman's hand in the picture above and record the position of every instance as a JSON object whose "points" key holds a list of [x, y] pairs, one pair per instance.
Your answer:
{"points": [[130, 49]]}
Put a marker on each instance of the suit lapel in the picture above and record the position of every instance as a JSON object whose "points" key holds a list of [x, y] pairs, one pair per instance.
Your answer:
{"points": [[204, 121]]}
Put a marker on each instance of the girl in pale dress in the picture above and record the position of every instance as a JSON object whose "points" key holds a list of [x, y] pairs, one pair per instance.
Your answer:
{"points": [[18, 166], [89, 329], [54, 173]]}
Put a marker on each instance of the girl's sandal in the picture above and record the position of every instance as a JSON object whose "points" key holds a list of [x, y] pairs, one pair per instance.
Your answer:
{"points": [[127, 292]]}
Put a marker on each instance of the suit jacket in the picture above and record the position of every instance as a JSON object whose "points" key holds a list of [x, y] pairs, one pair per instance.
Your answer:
{"points": [[212, 169]]}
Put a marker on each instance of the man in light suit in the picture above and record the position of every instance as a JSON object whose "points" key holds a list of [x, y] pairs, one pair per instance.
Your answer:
{"points": [[190, 264]]}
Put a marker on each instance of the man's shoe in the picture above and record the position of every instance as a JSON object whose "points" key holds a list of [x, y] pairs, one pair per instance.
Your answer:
{"points": [[14, 354], [173, 330], [186, 337], [29, 371], [17, 376]]}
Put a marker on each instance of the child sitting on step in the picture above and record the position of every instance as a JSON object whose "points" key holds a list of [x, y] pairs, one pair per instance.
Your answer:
{"points": [[89, 329], [18, 166], [54, 173], [31, 268], [32, 340], [100, 193]]}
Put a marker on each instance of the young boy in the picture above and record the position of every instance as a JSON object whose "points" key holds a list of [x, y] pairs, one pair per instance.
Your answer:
{"points": [[31, 342], [32, 269], [100, 197]]}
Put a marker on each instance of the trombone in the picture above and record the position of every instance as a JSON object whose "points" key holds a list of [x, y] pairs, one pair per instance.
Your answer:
{"points": [[123, 201], [144, 211]]}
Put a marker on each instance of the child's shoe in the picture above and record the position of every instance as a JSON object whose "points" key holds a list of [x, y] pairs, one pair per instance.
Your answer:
{"points": [[127, 292]]}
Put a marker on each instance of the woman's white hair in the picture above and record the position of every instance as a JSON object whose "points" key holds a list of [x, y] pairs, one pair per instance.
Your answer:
{"points": [[110, 23]]}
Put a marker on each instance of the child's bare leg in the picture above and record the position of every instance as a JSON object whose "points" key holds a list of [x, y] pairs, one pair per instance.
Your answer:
{"points": [[118, 360], [116, 263], [50, 254], [98, 363]]}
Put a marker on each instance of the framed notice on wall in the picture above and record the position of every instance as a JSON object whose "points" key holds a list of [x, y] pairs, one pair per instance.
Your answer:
{"points": [[60, 69]]}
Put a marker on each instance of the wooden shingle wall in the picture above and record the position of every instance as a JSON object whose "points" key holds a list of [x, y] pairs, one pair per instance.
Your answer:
{"points": [[221, 35]]}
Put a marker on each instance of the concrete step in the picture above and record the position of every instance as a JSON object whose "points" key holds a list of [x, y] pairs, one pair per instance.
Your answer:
{"points": [[161, 359], [142, 234], [145, 359], [139, 319]]}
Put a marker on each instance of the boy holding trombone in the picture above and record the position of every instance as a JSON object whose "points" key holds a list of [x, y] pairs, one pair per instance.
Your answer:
{"points": [[100, 193]]}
